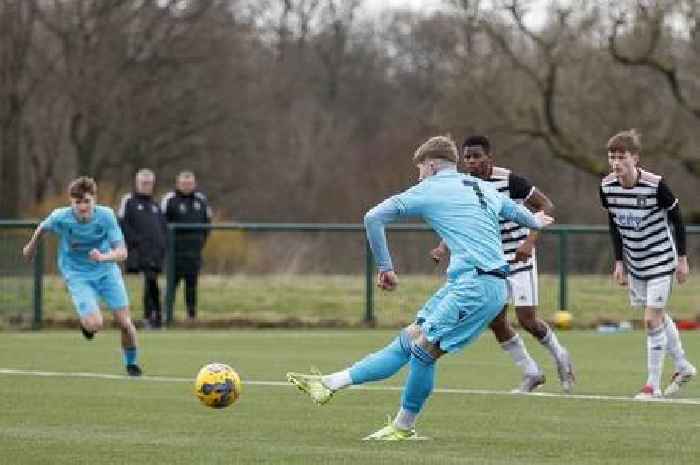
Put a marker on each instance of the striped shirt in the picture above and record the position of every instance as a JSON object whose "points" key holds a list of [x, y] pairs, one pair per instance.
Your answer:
{"points": [[639, 216], [518, 189]]}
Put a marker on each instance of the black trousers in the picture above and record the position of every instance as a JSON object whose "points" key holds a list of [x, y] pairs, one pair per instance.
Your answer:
{"points": [[190, 279], [151, 299]]}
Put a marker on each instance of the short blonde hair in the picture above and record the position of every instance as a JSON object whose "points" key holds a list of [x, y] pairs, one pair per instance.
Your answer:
{"points": [[438, 147], [627, 141]]}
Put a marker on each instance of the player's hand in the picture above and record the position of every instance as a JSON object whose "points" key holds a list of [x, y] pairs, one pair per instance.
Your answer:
{"points": [[682, 270], [543, 219], [437, 254], [524, 251], [619, 274], [96, 255], [28, 251], [387, 280]]}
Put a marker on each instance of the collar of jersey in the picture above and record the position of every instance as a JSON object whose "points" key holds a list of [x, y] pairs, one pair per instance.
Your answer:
{"points": [[78, 220]]}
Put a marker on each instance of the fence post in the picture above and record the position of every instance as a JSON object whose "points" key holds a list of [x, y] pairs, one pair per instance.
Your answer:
{"points": [[38, 285], [563, 269], [369, 285], [170, 277]]}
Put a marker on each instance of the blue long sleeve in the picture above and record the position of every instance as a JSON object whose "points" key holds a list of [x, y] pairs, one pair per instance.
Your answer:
{"points": [[375, 221], [519, 214]]}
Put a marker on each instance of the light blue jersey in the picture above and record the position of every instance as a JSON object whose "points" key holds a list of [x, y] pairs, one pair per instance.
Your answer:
{"points": [[88, 280], [77, 239], [463, 210]]}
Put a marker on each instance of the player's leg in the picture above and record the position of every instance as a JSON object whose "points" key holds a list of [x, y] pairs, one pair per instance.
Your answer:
{"points": [[656, 337], [656, 351], [659, 290], [685, 371], [374, 367], [513, 344], [151, 298], [528, 319], [84, 296], [113, 292], [176, 282], [457, 320], [191, 294]]}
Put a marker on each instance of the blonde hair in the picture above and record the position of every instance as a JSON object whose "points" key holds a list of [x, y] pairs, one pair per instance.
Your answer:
{"points": [[628, 141], [437, 148]]}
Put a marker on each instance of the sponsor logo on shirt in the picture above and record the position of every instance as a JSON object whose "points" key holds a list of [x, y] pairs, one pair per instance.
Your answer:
{"points": [[629, 219]]}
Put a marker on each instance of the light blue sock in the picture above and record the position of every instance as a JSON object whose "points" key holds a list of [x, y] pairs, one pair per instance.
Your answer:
{"points": [[384, 363], [420, 380], [131, 355]]}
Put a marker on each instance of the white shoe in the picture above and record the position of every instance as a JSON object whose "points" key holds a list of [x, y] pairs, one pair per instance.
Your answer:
{"points": [[679, 379], [565, 371], [529, 383]]}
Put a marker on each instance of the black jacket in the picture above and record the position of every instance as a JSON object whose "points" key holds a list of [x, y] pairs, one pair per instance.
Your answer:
{"points": [[144, 231], [187, 208]]}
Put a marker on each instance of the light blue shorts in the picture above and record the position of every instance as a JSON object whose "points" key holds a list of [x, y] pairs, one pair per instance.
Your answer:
{"points": [[86, 291], [460, 310]]}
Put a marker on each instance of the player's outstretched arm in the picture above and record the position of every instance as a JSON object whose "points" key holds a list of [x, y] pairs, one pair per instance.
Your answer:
{"points": [[29, 250], [522, 216]]}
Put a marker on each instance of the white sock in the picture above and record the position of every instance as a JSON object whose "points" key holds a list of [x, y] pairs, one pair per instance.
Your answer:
{"points": [[551, 342], [516, 348], [656, 350], [405, 420], [674, 348], [337, 380]]}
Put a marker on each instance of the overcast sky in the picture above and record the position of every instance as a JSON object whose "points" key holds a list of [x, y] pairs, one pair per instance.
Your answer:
{"points": [[535, 15]]}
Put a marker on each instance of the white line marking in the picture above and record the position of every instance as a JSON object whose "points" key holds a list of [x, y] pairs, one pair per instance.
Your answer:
{"points": [[486, 392]]}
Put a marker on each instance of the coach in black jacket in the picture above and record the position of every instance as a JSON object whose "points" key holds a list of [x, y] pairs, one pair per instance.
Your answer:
{"points": [[145, 233], [187, 205]]}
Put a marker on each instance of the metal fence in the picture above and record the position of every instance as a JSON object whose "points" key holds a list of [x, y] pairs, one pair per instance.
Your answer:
{"points": [[264, 251]]}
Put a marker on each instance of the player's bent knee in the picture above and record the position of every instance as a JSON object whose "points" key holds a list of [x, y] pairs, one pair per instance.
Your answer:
{"points": [[92, 322], [433, 350], [654, 317]]}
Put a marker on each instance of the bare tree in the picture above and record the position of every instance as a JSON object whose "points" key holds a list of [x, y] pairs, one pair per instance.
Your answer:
{"points": [[662, 38], [131, 71], [17, 21]]}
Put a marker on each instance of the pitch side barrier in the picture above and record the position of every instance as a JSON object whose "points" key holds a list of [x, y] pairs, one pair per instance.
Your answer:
{"points": [[564, 233], [21, 283]]}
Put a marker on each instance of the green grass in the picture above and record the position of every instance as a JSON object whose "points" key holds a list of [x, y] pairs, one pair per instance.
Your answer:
{"points": [[61, 420], [341, 297]]}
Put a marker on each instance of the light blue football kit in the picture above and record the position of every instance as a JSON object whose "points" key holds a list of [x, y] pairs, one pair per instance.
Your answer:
{"points": [[464, 211], [88, 280]]}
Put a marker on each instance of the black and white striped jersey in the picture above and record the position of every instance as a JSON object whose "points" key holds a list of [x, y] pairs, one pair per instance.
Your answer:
{"points": [[639, 215], [512, 234]]}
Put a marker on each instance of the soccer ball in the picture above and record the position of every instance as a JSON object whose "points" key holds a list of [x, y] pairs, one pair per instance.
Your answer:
{"points": [[217, 385], [562, 319]]}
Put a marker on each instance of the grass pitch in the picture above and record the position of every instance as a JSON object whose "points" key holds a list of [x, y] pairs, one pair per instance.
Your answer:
{"points": [[101, 420], [313, 298]]}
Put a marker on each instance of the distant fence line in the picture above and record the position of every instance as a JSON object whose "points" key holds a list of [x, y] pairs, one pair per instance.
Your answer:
{"points": [[562, 233]]}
